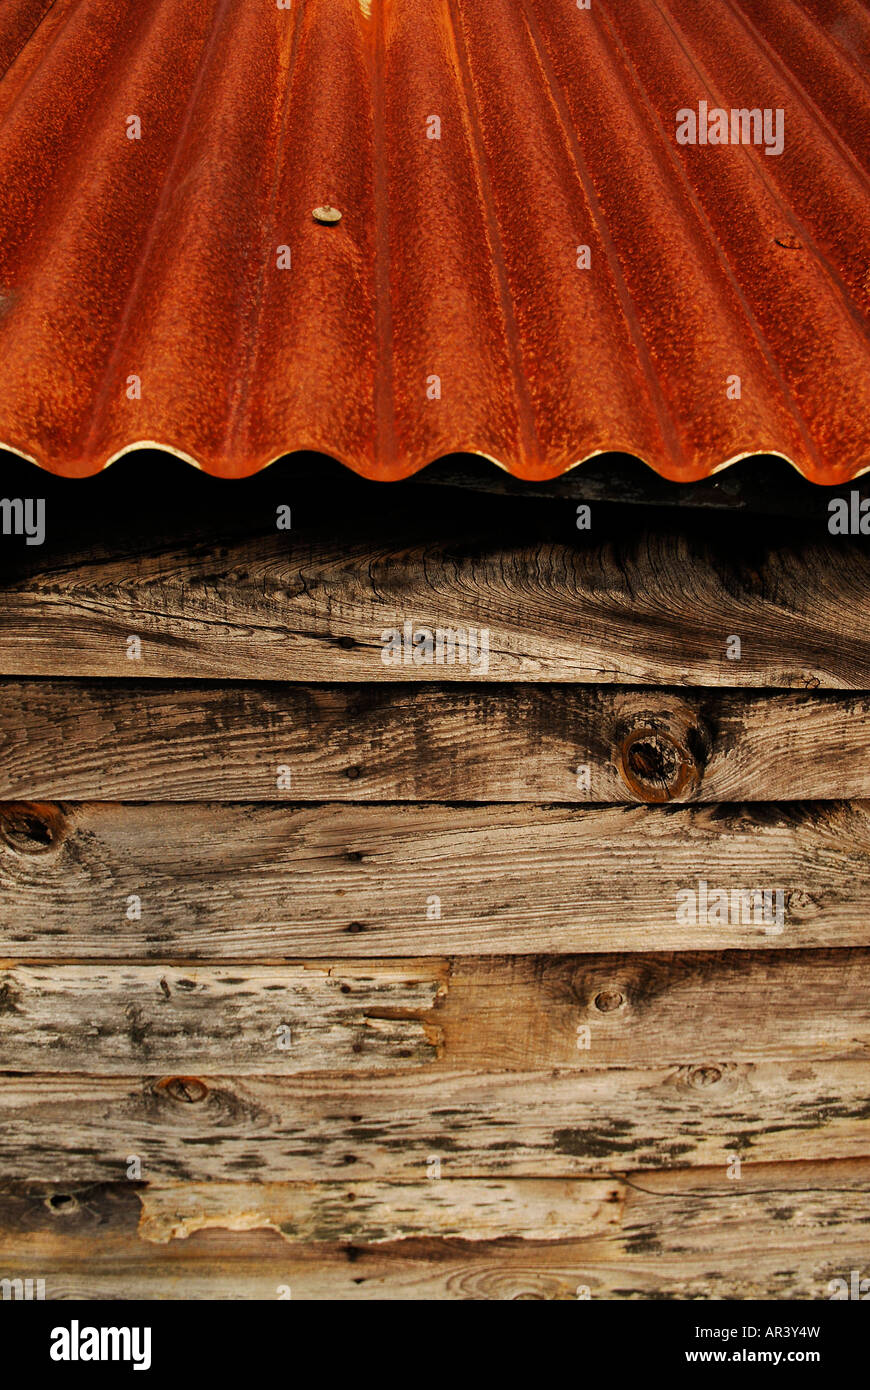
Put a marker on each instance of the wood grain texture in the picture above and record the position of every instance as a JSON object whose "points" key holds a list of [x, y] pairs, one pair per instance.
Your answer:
{"points": [[563, 1167], [137, 741], [105, 1019], [696, 1211], [623, 607], [536, 1124], [513, 1013], [264, 882], [500, 1014], [372, 1213], [780, 1231]]}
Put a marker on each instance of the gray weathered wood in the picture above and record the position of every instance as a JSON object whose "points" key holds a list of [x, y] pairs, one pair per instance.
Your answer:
{"points": [[138, 741], [538, 1124], [279, 1019], [266, 882], [654, 608]]}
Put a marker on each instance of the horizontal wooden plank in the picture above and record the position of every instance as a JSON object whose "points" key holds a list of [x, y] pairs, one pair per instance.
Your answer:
{"points": [[137, 741], [778, 1231], [610, 606], [540, 1124], [256, 1267], [503, 1013], [184, 881], [789, 1205], [105, 1019], [698, 1212]]}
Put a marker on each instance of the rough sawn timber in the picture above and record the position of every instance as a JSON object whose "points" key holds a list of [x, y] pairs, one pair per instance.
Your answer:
{"points": [[534, 1124], [641, 609], [107, 1018], [500, 1014], [236, 881], [199, 741], [780, 1231]]}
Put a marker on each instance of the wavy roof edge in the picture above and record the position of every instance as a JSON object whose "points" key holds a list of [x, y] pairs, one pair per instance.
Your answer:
{"points": [[412, 469]]}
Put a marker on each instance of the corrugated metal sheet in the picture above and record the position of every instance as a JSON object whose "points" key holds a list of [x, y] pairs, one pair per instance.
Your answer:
{"points": [[455, 263]]}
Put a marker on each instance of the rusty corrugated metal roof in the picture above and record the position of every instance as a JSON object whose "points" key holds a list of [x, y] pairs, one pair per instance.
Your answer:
{"points": [[449, 309]]}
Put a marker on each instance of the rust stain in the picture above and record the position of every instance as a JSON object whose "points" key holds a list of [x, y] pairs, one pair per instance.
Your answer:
{"points": [[528, 265]]}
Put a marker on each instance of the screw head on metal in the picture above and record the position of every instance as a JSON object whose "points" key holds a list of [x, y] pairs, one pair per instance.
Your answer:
{"points": [[326, 214]]}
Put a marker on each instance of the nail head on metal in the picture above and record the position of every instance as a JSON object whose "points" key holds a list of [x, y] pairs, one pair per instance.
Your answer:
{"points": [[326, 214]]}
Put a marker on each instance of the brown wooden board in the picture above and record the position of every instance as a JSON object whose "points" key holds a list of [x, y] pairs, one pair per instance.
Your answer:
{"points": [[137, 741], [103, 1019], [615, 605], [776, 1231], [145, 882], [499, 1014], [518, 1012], [475, 1124]]}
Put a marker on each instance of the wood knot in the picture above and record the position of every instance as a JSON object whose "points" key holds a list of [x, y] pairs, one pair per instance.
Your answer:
{"points": [[661, 754], [8, 999], [62, 1203], [704, 1076], [800, 905], [31, 827], [187, 1090], [608, 1000]]}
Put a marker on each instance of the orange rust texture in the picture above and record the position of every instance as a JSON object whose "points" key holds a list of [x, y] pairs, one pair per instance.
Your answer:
{"points": [[454, 258]]}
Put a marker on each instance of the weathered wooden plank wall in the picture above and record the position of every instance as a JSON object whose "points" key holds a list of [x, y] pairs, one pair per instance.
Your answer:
{"points": [[369, 981]]}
